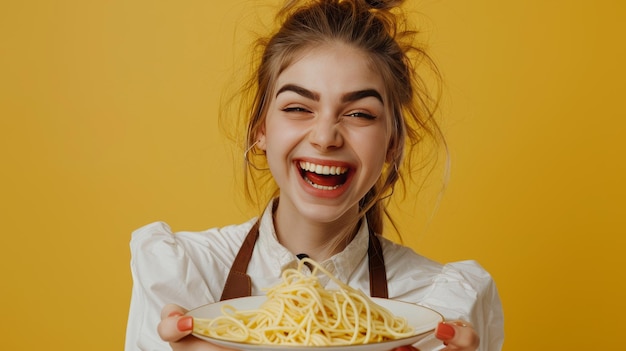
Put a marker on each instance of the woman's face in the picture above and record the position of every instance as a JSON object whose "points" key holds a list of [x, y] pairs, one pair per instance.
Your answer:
{"points": [[326, 133]]}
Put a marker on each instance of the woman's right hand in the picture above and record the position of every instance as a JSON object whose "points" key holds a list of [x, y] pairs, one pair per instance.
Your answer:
{"points": [[176, 329]]}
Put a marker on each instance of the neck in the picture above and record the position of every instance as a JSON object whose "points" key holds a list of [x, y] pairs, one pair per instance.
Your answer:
{"points": [[318, 240]]}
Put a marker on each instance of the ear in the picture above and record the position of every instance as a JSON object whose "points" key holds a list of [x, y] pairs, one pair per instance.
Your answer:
{"points": [[396, 139], [392, 151], [261, 139]]}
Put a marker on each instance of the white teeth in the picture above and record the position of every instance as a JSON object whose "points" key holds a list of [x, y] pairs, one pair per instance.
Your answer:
{"points": [[321, 187], [319, 169]]}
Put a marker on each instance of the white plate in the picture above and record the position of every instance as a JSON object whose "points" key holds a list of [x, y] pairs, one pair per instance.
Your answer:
{"points": [[423, 319]]}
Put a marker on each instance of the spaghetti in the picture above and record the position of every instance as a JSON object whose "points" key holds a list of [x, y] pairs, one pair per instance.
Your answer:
{"points": [[299, 311]]}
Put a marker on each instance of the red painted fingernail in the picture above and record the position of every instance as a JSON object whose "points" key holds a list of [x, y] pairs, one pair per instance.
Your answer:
{"points": [[185, 324], [444, 331]]}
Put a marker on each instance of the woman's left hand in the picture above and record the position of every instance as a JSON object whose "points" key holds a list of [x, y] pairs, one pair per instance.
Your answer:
{"points": [[456, 335]]}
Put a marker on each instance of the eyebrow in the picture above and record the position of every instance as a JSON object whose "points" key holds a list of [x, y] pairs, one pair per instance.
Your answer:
{"points": [[300, 91], [348, 97], [361, 94]]}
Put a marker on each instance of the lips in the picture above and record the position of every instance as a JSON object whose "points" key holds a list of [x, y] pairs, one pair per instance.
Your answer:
{"points": [[323, 177]]}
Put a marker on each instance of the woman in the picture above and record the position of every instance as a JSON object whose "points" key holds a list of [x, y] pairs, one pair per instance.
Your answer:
{"points": [[335, 102]]}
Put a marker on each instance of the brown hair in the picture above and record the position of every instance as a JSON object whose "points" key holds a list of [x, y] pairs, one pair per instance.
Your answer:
{"points": [[377, 28]]}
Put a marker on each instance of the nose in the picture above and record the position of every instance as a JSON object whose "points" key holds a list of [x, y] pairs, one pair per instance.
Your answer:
{"points": [[325, 134]]}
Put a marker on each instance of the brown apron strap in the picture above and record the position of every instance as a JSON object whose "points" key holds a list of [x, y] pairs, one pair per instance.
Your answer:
{"points": [[238, 283], [378, 274]]}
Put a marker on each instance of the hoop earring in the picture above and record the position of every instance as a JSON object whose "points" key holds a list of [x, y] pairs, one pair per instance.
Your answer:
{"points": [[245, 157]]}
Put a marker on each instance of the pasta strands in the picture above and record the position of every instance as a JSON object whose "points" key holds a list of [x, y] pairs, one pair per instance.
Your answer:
{"points": [[299, 311]]}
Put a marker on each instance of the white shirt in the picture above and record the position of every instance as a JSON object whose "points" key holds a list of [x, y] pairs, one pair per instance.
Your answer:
{"points": [[190, 269]]}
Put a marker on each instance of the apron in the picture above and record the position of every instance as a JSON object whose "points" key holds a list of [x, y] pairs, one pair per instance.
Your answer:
{"points": [[238, 283]]}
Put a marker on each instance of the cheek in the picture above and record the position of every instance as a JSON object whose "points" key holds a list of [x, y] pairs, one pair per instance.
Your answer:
{"points": [[379, 157], [280, 142], [283, 133], [378, 143], [373, 151]]}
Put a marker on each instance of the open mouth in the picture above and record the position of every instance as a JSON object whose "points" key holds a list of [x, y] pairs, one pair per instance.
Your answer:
{"points": [[323, 177]]}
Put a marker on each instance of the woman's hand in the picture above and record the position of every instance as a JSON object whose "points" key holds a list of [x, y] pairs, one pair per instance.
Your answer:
{"points": [[457, 335], [176, 328]]}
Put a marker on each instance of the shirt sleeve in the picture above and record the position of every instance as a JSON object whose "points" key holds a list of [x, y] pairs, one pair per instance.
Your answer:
{"points": [[464, 290], [162, 273]]}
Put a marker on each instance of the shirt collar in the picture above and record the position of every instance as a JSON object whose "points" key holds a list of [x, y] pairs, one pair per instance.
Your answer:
{"points": [[342, 264]]}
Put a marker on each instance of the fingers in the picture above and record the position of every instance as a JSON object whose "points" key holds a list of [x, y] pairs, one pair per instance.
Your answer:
{"points": [[175, 327], [458, 335], [174, 324], [172, 309]]}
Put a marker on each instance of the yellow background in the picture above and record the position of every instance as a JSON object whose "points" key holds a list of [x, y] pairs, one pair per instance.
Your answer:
{"points": [[108, 122]]}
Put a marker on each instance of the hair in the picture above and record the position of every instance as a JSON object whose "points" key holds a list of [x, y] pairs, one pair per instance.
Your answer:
{"points": [[379, 29]]}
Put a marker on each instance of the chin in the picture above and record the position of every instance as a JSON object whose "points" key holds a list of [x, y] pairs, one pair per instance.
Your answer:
{"points": [[324, 213]]}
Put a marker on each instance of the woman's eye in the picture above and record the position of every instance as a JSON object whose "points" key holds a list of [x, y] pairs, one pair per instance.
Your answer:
{"points": [[295, 109], [361, 115]]}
